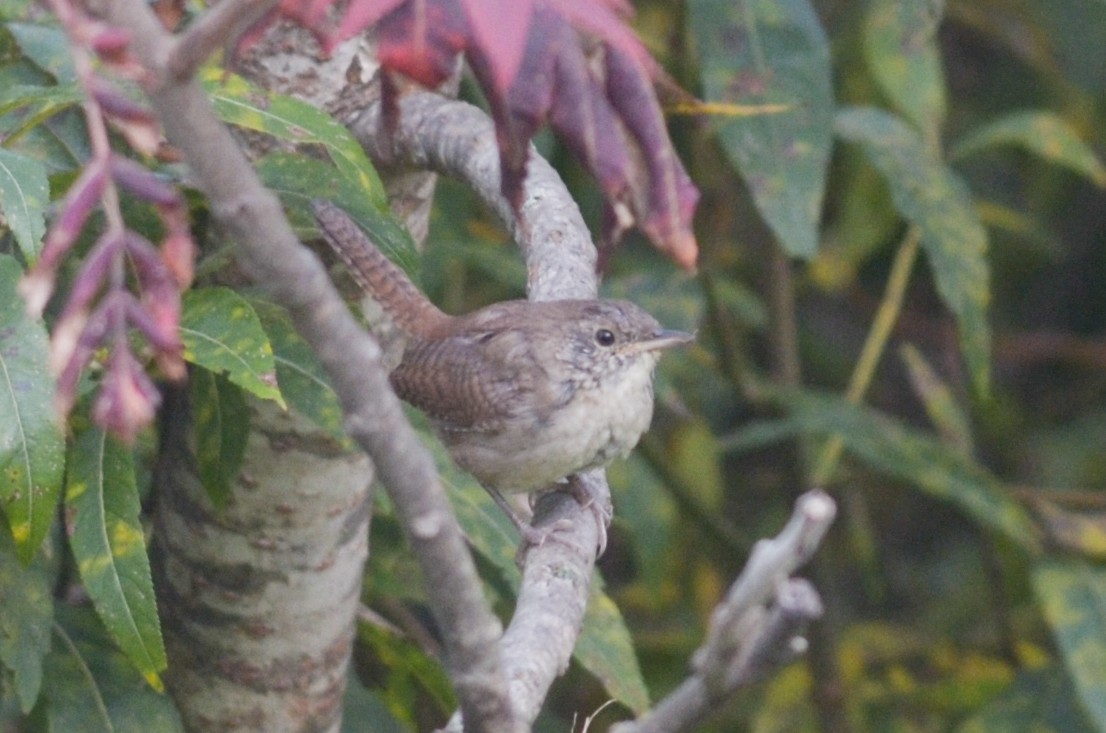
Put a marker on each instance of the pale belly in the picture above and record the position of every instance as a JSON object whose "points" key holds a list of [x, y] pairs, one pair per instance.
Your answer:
{"points": [[593, 429]]}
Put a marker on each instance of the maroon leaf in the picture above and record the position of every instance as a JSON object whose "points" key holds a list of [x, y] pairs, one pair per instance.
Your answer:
{"points": [[529, 57]]}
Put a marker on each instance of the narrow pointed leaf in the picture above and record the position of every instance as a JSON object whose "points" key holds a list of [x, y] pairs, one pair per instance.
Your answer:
{"points": [[221, 332], [302, 380], [94, 688], [37, 104], [32, 447], [933, 198], [105, 533], [1072, 594], [772, 52], [299, 180], [221, 426], [24, 195], [606, 650], [918, 459], [1043, 133], [48, 47], [238, 102], [900, 43], [26, 615]]}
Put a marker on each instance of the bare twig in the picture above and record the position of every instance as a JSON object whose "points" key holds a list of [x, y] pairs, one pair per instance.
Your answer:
{"points": [[272, 255], [756, 627]]}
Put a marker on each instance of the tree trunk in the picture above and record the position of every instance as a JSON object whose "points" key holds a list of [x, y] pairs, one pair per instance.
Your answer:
{"points": [[258, 599]]}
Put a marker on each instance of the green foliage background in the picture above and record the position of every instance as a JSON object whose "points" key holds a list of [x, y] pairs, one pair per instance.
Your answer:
{"points": [[903, 229]]}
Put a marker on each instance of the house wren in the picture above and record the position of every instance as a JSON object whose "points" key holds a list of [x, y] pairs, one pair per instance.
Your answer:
{"points": [[523, 394]]}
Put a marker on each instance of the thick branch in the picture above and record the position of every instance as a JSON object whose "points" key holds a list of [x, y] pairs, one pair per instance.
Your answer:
{"points": [[458, 140], [273, 256]]}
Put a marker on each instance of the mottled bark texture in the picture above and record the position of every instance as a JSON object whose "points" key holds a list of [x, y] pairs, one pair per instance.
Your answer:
{"points": [[258, 598]]}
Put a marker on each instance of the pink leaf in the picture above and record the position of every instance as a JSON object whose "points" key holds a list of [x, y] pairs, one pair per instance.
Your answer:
{"points": [[500, 29]]}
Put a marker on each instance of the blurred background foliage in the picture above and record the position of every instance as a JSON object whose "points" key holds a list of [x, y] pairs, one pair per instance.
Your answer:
{"points": [[935, 180], [903, 232]]}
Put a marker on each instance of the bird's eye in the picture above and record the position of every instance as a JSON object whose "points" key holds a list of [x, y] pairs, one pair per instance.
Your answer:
{"points": [[604, 337]]}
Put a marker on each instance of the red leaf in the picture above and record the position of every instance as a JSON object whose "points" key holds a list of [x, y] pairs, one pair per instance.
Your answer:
{"points": [[499, 29], [421, 40]]}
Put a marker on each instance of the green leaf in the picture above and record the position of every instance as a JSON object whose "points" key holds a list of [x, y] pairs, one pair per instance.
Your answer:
{"points": [[900, 44], [301, 378], [48, 47], [1039, 701], [105, 534], [24, 196], [41, 104], [772, 52], [26, 614], [95, 689], [918, 459], [32, 447], [222, 424], [238, 102], [933, 198], [363, 709], [1072, 595], [408, 678], [298, 180], [1043, 133], [606, 650], [939, 401], [221, 333]]}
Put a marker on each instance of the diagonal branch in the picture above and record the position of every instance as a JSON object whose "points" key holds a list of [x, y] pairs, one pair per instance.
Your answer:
{"points": [[272, 255]]}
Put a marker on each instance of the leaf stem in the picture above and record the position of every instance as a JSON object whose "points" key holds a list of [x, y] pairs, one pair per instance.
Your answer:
{"points": [[874, 346]]}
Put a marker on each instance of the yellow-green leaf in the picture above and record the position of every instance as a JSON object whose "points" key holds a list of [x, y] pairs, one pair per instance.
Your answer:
{"points": [[238, 102], [24, 195], [933, 198], [918, 459], [221, 332], [1039, 700], [222, 424], [772, 54], [939, 400], [105, 533], [95, 689], [303, 383], [32, 447], [26, 614], [900, 44], [1043, 133], [1072, 595], [298, 180]]}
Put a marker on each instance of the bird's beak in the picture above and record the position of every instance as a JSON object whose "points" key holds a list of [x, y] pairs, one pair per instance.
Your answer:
{"points": [[664, 339]]}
